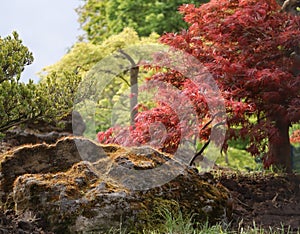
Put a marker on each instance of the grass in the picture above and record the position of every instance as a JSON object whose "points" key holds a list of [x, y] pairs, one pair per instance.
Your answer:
{"points": [[178, 224], [238, 159]]}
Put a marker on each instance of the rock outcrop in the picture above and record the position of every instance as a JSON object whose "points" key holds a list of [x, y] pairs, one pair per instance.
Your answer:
{"points": [[43, 158], [40, 131], [118, 185]]}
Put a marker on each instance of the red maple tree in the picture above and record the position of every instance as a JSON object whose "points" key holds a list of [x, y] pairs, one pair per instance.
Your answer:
{"points": [[249, 48]]}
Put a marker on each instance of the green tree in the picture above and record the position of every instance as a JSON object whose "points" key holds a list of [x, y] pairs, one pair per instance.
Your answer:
{"points": [[103, 18], [56, 94], [82, 57], [21, 103], [13, 57], [16, 98]]}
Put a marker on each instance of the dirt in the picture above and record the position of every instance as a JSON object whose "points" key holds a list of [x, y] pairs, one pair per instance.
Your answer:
{"points": [[10, 223], [264, 199]]}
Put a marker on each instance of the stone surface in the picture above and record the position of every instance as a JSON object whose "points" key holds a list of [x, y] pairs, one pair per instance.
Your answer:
{"points": [[20, 224], [114, 187], [42, 158], [44, 132]]}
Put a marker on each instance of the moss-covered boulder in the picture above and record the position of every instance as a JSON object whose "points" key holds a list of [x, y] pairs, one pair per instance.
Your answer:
{"points": [[93, 197], [43, 158]]}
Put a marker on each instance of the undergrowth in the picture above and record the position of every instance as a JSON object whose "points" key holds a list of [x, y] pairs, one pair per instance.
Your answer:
{"points": [[178, 224]]}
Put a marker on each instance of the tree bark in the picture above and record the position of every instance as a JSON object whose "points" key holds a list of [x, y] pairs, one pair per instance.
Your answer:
{"points": [[280, 149], [134, 72]]}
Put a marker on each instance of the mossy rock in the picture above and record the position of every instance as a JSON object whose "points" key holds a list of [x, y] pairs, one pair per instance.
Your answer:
{"points": [[90, 197]]}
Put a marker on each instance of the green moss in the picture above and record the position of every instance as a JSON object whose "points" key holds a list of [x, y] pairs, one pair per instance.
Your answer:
{"points": [[152, 213]]}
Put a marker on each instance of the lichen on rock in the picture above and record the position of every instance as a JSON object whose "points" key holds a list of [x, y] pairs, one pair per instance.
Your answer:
{"points": [[43, 158], [95, 196]]}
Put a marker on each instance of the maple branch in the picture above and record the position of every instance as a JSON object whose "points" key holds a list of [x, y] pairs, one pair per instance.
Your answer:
{"points": [[199, 154]]}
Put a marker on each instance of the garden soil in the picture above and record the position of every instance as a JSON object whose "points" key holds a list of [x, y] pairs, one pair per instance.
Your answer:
{"points": [[264, 200]]}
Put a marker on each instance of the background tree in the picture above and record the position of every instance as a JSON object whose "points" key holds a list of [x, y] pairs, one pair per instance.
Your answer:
{"points": [[101, 19], [83, 56], [13, 57], [247, 46]]}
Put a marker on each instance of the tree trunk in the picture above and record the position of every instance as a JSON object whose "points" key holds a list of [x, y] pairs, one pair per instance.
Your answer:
{"points": [[134, 72], [280, 149]]}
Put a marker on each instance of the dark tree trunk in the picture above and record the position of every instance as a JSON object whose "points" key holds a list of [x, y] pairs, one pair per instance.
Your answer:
{"points": [[134, 72], [280, 150]]}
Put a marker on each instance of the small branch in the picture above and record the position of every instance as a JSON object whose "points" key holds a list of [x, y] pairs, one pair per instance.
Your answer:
{"points": [[133, 64], [12, 123], [199, 153], [122, 78]]}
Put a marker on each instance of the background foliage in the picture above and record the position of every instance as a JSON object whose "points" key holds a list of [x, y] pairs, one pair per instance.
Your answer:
{"points": [[247, 46], [84, 56], [101, 19]]}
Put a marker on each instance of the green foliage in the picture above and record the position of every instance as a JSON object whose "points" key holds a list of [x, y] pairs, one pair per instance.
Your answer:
{"points": [[18, 103], [17, 100], [14, 56], [56, 93], [101, 19], [81, 60], [84, 55], [239, 143]]}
